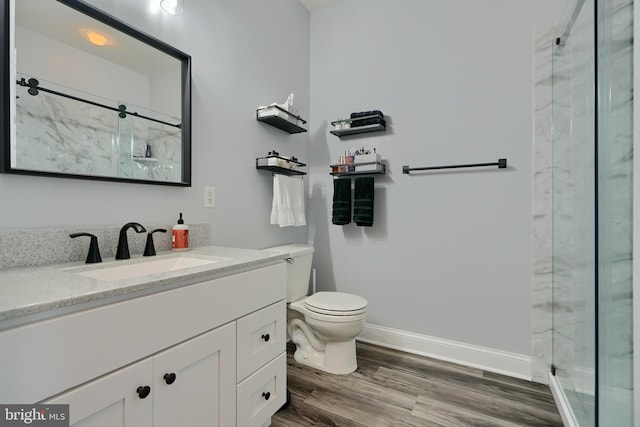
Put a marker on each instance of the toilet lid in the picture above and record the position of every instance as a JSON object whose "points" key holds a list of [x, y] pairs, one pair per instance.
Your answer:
{"points": [[336, 303]]}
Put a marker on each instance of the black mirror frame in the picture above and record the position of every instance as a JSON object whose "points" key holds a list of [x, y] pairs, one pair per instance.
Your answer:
{"points": [[5, 91]]}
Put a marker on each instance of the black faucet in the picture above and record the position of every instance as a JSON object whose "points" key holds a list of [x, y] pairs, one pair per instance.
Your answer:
{"points": [[94, 252], [123, 243], [149, 249]]}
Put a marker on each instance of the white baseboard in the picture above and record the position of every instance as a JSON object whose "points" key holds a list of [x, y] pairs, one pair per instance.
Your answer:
{"points": [[501, 362], [564, 407]]}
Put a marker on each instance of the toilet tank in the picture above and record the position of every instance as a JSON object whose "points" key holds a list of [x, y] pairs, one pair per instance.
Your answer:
{"points": [[298, 258]]}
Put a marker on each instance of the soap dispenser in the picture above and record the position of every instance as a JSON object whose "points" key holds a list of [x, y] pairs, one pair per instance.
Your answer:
{"points": [[180, 235]]}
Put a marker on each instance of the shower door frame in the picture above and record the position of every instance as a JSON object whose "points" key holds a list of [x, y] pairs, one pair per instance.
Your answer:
{"points": [[636, 214]]}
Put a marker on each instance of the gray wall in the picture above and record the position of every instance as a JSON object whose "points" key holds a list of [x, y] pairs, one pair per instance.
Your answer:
{"points": [[449, 253], [245, 53]]}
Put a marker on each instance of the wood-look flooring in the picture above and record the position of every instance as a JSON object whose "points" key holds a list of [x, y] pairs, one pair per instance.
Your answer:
{"points": [[392, 388]]}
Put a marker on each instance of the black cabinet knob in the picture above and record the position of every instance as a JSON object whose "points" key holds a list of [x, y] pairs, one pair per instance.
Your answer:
{"points": [[169, 378], [266, 395], [265, 337], [143, 391]]}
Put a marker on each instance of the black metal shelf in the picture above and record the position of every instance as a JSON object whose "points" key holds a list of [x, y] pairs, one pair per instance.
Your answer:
{"points": [[376, 127], [282, 119], [262, 163], [381, 169], [357, 130], [281, 171]]}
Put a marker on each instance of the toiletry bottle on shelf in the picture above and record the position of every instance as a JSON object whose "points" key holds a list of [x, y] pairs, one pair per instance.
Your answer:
{"points": [[180, 235]]}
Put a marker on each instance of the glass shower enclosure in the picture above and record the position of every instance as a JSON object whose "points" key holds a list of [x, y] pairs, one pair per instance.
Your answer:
{"points": [[60, 130], [592, 211]]}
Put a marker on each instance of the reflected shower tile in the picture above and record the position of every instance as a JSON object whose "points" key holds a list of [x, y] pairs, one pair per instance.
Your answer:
{"points": [[60, 135]]}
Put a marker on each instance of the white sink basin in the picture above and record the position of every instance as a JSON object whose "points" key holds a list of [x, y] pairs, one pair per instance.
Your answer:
{"points": [[147, 268]]}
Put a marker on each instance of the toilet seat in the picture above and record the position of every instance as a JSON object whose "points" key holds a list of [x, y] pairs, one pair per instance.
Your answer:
{"points": [[336, 304]]}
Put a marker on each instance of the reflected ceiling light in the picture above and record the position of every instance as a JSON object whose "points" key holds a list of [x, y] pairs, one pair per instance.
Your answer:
{"points": [[97, 38], [172, 7]]}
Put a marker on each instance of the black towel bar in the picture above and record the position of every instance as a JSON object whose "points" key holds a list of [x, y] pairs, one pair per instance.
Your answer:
{"points": [[502, 163]]}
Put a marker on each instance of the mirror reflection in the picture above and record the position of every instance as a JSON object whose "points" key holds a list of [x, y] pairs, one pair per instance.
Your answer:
{"points": [[93, 101]]}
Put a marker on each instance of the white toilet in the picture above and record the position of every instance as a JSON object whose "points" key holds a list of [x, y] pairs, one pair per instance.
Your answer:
{"points": [[324, 326]]}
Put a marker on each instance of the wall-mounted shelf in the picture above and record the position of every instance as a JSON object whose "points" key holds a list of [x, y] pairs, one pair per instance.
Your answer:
{"points": [[357, 130], [141, 159], [274, 163], [356, 118], [352, 169], [281, 118]]}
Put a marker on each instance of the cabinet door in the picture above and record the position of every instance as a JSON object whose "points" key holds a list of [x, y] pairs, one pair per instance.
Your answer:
{"points": [[194, 382], [112, 400]]}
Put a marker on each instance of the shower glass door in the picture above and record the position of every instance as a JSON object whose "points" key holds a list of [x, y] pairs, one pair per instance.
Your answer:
{"points": [[615, 213], [592, 211], [574, 220]]}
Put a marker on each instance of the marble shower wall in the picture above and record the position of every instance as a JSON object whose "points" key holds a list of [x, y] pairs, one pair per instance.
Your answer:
{"points": [[542, 292], [56, 134], [563, 204]]}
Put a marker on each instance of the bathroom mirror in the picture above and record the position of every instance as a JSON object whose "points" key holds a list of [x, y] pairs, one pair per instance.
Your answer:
{"points": [[87, 96]]}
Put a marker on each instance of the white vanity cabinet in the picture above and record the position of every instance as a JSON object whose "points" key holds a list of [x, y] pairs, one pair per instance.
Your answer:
{"points": [[178, 387], [262, 364], [185, 344], [190, 382]]}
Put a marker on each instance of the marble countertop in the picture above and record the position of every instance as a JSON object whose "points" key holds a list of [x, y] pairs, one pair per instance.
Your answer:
{"points": [[28, 294]]}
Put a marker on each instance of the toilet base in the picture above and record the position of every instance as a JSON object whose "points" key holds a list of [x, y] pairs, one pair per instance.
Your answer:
{"points": [[338, 357]]}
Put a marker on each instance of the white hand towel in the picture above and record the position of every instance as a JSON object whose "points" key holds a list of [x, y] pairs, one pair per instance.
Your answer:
{"points": [[287, 208], [297, 191], [281, 207], [279, 202]]}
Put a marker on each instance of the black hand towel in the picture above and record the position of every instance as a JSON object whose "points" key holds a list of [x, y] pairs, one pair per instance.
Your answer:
{"points": [[363, 201], [341, 201]]}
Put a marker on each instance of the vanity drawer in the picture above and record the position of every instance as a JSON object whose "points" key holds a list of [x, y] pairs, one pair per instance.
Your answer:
{"points": [[262, 394], [261, 336]]}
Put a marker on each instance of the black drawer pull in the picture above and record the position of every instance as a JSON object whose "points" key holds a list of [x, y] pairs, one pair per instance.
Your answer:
{"points": [[265, 337], [169, 378], [143, 391], [266, 395]]}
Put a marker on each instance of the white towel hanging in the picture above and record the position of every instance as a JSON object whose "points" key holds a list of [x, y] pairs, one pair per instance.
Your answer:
{"points": [[287, 208]]}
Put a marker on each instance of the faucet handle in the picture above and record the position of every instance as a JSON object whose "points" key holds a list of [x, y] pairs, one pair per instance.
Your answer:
{"points": [[94, 252], [149, 249]]}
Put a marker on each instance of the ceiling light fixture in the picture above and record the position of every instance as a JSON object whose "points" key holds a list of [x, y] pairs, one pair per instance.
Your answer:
{"points": [[173, 7], [96, 38]]}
